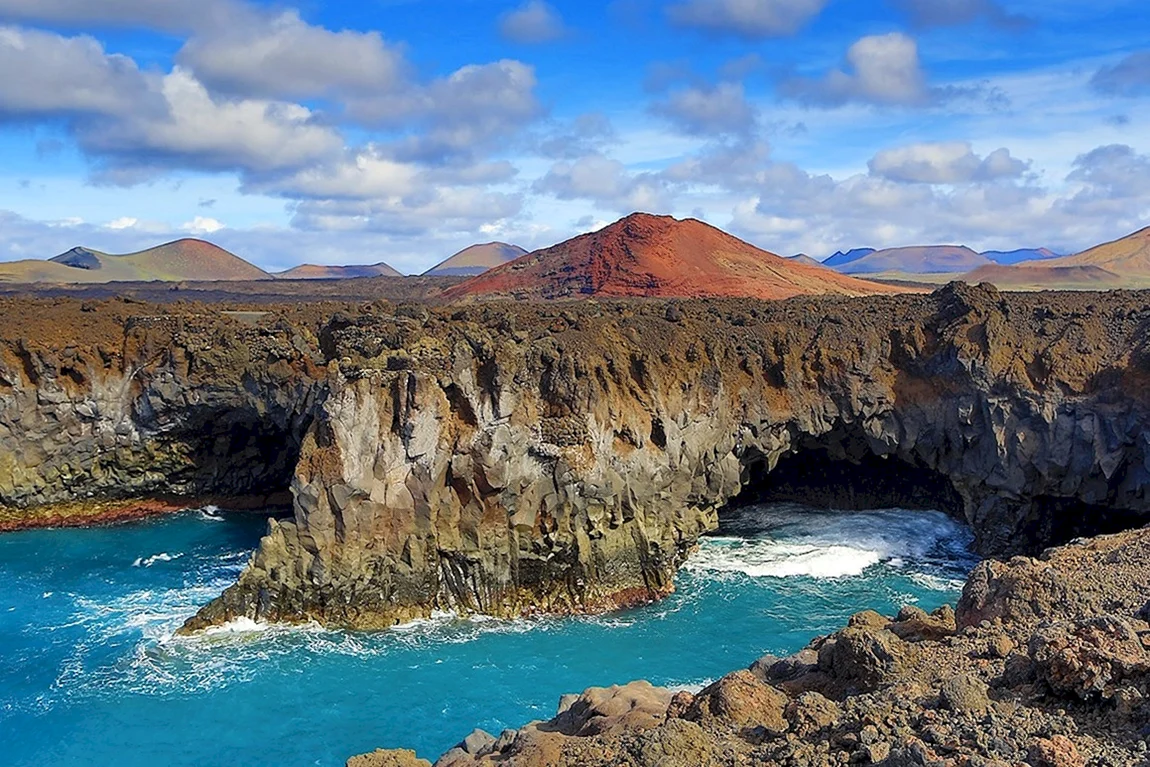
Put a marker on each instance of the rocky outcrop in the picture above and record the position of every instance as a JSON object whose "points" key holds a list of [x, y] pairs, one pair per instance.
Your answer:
{"points": [[98, 404], [510, 460], [1063, 685]]}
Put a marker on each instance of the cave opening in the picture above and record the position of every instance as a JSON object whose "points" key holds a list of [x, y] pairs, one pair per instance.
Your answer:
{"points": [[835, 475], [240, 458]]}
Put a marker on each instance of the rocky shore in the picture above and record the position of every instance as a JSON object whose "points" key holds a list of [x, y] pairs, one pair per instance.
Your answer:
{"points": [[566, 458], [1045, 662], [512, 459]]}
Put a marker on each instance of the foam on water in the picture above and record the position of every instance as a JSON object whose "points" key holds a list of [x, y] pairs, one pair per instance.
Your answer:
{"points": [[95, 674]]}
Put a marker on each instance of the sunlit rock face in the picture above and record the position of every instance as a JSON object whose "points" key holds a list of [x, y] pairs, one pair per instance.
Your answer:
{"points": [[565, 457], [517, 459]]}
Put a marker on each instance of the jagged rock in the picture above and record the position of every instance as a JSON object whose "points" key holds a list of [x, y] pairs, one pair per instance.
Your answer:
{"points": [[1057, 751], [739, 699], [1091, 658], [635, 706], [864, 657], [381, 758], [965, 693], [525, 461]]}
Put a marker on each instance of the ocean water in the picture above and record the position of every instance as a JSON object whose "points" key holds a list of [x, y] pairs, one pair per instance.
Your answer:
{"points": [[90, 673]]}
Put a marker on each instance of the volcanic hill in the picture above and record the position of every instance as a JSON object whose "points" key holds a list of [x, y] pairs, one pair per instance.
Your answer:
{"points": [[476, 259], [186, 259], [1123, 263], [644, 255], [353, 271]]}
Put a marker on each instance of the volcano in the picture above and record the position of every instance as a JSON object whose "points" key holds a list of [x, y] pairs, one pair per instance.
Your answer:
{"points": [[644, 255]]}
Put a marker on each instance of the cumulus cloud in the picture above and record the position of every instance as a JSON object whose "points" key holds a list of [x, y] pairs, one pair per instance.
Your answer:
{"points": [[586, 134], [286, 58], [1129, 77], [532, 23], [709, 110], [950, 162], [750, 19], [606, 182], [202, 225], [944, 13], [205, 132], [60, 76], [879, 69]]}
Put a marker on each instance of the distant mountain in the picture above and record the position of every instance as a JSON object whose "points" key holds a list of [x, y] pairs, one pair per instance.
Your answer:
{"points": [[1011, 257], [1123, 263], [930, 259], [840, 258], [476, 259], [1042, 277], [187, 259], [1129, 256], [803, 258], [316, 272], [644, 255]]}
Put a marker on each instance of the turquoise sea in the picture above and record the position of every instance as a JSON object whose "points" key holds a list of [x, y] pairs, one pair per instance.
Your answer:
{"points": [[90, 673]]}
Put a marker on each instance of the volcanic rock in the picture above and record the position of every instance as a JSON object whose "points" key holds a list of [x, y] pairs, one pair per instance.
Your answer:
{"points": [[648, 256]]}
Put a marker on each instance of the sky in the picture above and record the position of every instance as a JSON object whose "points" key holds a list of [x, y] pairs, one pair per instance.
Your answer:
{"points": [[405, 130]]}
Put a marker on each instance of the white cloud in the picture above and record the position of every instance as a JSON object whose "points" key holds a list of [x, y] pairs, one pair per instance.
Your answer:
{"points": [[202, 225], [205, 132], [879, 69], [948, 162], [532, 23], [752, 19], [125, 222], [709, 110], [66, 76], [283, 57]]}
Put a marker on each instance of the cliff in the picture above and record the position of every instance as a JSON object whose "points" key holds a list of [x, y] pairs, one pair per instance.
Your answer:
{"points": [[510, 459]]}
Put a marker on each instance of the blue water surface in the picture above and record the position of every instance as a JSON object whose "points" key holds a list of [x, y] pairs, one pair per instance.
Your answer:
{"points": [[91, 674]]}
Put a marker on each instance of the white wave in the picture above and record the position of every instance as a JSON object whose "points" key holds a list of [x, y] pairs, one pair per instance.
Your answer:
{"points": [[692, 687], [786, 540], [163, 556], [241, 625]]}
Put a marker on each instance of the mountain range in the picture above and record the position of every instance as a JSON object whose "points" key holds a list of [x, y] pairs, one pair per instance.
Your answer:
{"points": [[186, 259]]}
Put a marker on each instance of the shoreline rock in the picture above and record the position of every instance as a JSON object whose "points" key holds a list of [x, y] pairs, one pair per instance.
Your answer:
{"points": [[1063, 684]]}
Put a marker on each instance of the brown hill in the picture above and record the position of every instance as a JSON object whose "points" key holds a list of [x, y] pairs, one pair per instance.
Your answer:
{"points": [[350, 272], [476, 259], [644, 255], [1042, 277], [1123, 263], [1129, 256], [177, 261]]}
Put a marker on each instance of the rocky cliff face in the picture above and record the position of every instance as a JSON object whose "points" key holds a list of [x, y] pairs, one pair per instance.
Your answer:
{"points": [[509, 460], [106, 402]]}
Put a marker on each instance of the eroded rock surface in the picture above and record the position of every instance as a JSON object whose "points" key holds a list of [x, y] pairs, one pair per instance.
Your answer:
{"points": [[1071, 690], [513, 459]]}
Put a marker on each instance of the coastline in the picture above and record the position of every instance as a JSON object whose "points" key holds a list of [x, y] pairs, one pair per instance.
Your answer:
{"points": [[104, 513]]}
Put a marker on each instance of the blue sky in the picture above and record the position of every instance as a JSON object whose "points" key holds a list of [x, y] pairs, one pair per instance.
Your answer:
{"points": [[403, 130]]}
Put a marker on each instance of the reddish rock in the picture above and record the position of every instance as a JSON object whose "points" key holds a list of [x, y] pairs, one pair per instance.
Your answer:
{"points": [[644, 256]]}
